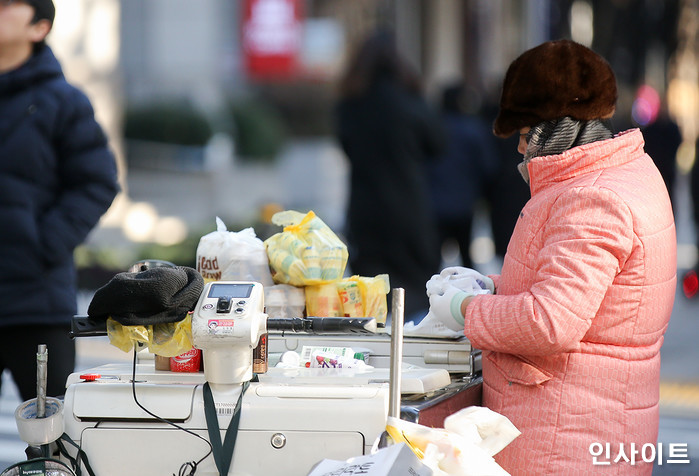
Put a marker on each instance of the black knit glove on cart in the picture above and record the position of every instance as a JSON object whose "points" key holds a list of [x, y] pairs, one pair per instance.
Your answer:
{"points": [[154, 296]]}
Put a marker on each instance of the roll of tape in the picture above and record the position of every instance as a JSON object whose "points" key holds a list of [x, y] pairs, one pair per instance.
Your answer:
{"points": [[39, 431]]}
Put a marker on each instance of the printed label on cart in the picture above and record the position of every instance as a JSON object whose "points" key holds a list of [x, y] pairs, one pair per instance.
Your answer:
{"points": [[216, 323], [307, 351]]}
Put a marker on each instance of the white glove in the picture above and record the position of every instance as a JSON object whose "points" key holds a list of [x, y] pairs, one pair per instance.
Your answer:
{"points": [[454, 274], [435, 285], [466, 279], [446, 307]]}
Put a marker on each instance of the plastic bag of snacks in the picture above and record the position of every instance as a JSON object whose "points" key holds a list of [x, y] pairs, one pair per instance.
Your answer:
{"points": [[306, 252], [364, 297], [356, 296], [373, 292], [234, 256], [322, 300]]}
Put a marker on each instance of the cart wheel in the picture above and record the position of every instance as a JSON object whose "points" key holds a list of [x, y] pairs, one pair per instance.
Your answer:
{"points": [[47, 466]]}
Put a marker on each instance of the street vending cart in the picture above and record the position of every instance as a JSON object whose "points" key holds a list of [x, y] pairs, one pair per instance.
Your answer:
{"points": [[125, 418]]}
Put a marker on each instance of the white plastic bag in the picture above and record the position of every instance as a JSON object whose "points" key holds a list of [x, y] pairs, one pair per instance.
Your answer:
{"points": [[465, 448], [233, 256], [495, 431]]}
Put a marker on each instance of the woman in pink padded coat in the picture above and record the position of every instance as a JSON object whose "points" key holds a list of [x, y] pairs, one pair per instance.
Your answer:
{"points": [[571, 338]]}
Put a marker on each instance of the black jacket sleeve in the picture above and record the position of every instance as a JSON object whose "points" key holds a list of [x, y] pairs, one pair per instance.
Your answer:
{"points": [[87, 179]]}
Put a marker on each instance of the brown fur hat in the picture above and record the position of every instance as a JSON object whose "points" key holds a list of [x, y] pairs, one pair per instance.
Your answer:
{"points": [[554, 80]]}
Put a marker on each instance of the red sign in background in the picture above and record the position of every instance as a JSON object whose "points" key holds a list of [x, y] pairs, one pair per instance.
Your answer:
{"points": [[271, 40]]}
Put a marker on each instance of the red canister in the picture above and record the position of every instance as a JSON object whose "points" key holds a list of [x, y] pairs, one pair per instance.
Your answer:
{"points": [[190, 361]]}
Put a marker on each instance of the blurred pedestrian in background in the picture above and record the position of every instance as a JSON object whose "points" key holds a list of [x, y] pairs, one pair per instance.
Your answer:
{"points": [[459, 177], [57, 178], [571, 337], [661, 134], [507, 193], [388, 132]]}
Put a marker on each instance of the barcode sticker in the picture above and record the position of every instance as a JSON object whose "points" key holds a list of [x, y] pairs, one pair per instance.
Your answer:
{"points": [[224, 409]]}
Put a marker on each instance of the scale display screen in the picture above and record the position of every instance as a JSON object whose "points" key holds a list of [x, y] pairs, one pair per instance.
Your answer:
{"points": [[230, 290]]}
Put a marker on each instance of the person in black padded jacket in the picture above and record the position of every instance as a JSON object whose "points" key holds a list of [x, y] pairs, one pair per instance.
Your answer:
{"points": [[388, 132], [57, 178]]}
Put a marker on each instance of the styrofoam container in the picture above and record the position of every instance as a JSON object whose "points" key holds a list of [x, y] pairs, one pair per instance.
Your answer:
{"points": [[284, 300]]}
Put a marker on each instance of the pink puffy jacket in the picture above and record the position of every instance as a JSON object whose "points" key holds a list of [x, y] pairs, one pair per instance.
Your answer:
{"points": [[571, 340]]}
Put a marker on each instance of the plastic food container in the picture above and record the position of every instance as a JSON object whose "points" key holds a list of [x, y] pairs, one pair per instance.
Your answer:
{"points": [[284, 300]]}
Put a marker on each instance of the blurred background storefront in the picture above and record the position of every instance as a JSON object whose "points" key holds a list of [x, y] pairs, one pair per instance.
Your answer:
{"points": [[220, 107]]}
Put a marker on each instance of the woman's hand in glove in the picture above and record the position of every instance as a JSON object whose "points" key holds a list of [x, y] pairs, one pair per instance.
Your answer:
{"points": [[456, 273], [435, 285], [446, 307], [466, 279]]}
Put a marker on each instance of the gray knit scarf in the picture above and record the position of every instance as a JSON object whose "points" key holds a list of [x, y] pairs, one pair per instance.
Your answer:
{"points": [[558, 135]]}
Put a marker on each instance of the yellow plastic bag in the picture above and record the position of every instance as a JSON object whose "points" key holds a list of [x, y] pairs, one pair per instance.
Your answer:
{"points": [[356, 296], [373, 292], [169, 339], [307, 252], [362, 296], [322, 300]]}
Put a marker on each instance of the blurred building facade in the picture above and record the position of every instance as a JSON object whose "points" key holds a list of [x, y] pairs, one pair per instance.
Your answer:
{"points": [[178, 48], [287, 54], [197, 51]]}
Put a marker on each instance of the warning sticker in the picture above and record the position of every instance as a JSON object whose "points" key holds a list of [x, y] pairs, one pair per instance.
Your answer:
{"points": [[216, 323]]}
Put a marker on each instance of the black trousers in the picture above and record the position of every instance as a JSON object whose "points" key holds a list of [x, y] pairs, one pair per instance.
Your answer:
{"points": [[18, 348], [460, 231]]}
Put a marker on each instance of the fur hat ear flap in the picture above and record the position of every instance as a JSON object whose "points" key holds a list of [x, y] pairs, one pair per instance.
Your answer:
{"points": [[554, 80]]}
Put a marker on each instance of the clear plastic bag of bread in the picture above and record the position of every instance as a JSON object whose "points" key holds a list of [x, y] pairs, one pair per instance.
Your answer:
{"points": [[464, 447]]}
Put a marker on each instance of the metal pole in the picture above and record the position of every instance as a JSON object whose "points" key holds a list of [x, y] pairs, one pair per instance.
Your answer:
{"points": [[397, 318], [42, 357]]}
